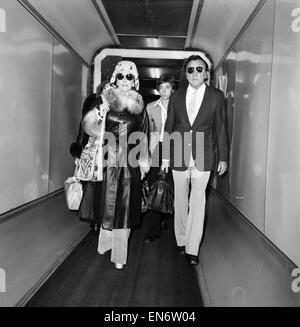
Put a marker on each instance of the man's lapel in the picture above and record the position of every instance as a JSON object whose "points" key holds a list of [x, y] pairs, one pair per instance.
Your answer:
{"points": [[183, 108], [204, 106]]}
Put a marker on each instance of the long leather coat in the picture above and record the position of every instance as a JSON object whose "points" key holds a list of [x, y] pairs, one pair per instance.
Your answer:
{"points": [[122, 178]]}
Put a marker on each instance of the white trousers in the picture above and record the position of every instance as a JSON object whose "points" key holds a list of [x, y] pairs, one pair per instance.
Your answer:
{"points": [[189, 208], [115, 240]]}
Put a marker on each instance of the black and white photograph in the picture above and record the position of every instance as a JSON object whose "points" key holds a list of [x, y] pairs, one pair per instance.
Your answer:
{"points": [[148, 156]]}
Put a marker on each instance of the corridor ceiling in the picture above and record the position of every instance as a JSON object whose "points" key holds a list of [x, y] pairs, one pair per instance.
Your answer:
{"points": [[88, 26]]}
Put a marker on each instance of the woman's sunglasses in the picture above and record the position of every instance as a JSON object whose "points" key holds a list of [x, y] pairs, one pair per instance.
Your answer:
{"points": [[199, 69], [129, 77]]}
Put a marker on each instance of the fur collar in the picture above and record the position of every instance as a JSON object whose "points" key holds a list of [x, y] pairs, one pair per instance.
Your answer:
{"points": [[118, 102]]}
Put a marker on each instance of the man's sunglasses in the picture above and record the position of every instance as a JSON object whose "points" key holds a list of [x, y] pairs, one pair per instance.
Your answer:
{"points": [[129, 77], [199, 69]]}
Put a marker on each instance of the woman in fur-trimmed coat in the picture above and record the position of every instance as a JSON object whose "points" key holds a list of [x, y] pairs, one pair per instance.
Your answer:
{"points": [[121, 202]]}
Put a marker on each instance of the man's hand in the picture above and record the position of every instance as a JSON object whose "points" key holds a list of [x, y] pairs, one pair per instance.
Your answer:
{"points": [[144, 169], [165, 166], [143, 172], [222, 167]]}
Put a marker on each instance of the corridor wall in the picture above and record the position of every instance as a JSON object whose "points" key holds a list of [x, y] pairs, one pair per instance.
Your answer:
{"points": [[283, 177], [66, 99], [263, 180], [37, 91]]}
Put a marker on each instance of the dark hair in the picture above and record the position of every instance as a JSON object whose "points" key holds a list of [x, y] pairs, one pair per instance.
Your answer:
{"points": [[195, 57], [165, 78]]}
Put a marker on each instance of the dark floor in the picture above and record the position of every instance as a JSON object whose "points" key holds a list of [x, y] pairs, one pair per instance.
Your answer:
{"points": [[155, 275]]}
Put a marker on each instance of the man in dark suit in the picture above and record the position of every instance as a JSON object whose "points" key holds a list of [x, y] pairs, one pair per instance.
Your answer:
{"points": [[197, 115]]}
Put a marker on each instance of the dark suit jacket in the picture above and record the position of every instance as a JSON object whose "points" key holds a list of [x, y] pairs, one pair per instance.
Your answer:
{"points": [[207, 134]]}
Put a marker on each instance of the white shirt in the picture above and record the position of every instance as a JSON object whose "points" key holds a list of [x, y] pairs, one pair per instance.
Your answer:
{"points": [[199, 98], [199, 93], [163, 119]]}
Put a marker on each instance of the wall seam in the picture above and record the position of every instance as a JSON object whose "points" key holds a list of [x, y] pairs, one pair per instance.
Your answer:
{"points": [[106, 22], [233, 122], [242, 31], [51, 103], [51, 29], [270, 99]]}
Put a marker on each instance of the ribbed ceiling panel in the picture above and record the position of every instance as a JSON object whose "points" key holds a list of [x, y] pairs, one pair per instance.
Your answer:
{"points": [[149, 17], [174, 64], [153, 68]]}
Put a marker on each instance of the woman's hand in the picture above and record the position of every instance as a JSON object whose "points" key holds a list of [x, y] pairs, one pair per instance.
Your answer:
{"points": [[103, 109]]}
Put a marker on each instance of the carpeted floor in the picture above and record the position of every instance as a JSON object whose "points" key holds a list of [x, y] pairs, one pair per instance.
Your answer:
{"points": [[154, 276]]}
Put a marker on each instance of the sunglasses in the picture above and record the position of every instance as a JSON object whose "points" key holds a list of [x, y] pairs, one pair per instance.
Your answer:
{"points": [[199, 69], [129, 77]]}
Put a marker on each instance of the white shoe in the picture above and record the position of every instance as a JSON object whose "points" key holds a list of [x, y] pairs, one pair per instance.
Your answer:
{"points": [[119, 265]]}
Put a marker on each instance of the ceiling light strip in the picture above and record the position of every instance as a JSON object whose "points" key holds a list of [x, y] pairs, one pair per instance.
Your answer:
{"points": [[241, 32], [153, 36], [147, 53], [51, 29], [106, 21]]}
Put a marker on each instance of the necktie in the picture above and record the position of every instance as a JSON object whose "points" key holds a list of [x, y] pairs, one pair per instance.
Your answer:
{"points": [[192, 109]]}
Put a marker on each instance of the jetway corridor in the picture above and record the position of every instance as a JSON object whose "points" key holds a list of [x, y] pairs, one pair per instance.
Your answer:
{"points": [[240, 269], [54, 54]]}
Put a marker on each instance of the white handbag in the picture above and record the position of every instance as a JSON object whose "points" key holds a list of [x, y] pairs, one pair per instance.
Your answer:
{"points": [[73, 191], [91, 155]]}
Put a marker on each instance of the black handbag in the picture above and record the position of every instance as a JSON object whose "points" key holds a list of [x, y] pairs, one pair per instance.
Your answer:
{"points": [[161, 197]]}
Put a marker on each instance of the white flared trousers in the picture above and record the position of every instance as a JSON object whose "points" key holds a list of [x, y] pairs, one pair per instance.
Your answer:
{"points": [[115, 240], [189, 208]]}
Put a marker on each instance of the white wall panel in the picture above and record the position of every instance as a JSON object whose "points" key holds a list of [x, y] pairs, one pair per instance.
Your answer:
{"points": [[283, 175], [25, 93], [65, 113], [251, 117], [78, 22], [219, 24], [225, 77]]}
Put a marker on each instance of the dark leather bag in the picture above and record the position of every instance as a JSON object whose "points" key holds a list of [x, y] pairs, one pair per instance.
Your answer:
{"points": [[161, 197], [145, 195]]}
